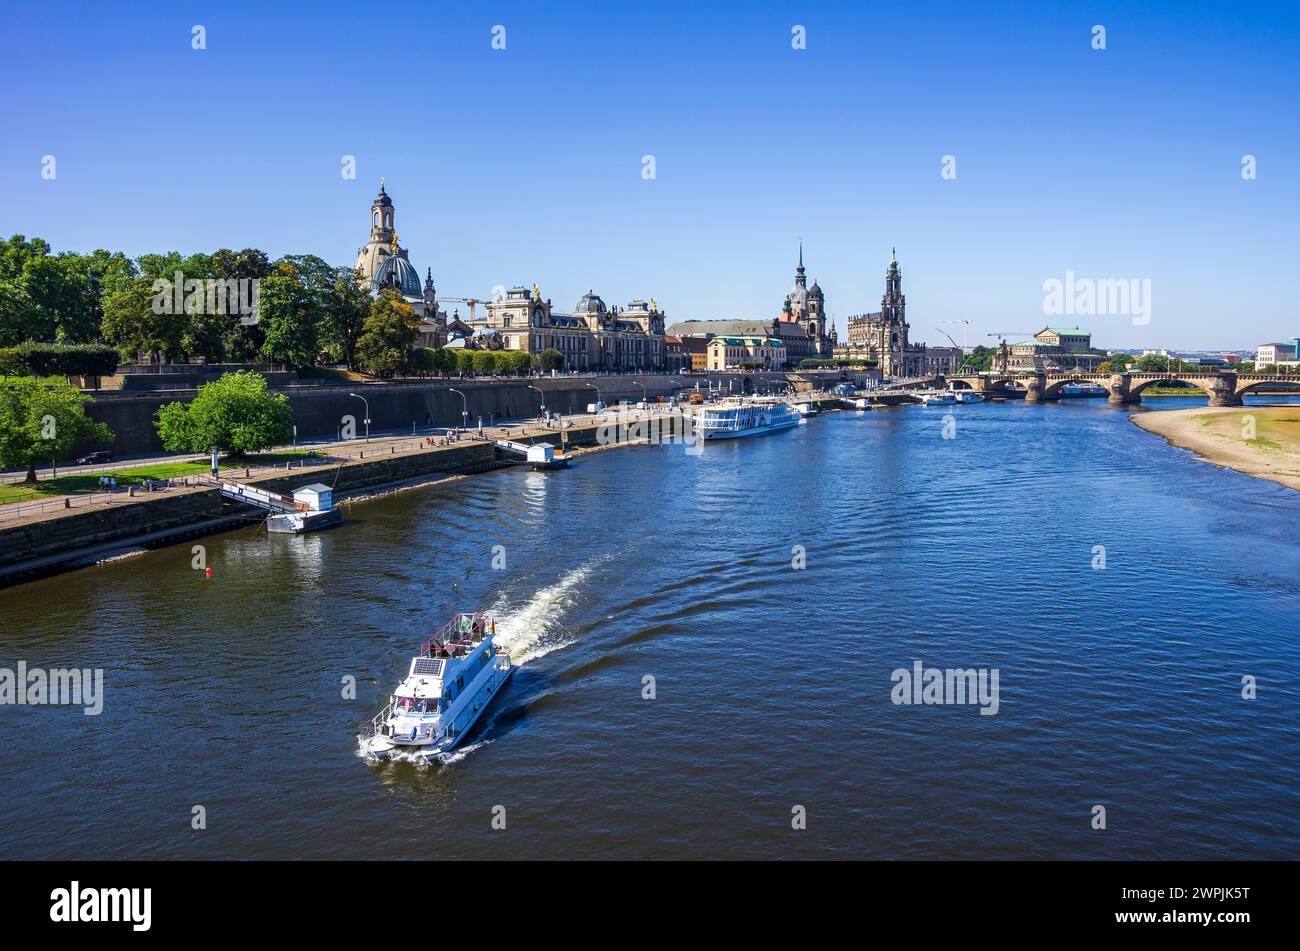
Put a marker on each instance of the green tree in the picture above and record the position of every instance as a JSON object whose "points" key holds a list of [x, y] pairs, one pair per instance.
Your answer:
{"points": [[485, 361], [447, 360], [140, 320], [290, 312], [234, 412], [346, 308], [242, 341], [464, 361], [90, 278], [1152, 363], [551, 359], [424, 360], [20, 319], [384, 346], [41, 419], [514, 361]]}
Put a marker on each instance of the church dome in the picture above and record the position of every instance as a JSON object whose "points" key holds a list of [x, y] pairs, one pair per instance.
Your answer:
{"points": [[382, 198], [816, 291], [590, 304], [398, 273]]}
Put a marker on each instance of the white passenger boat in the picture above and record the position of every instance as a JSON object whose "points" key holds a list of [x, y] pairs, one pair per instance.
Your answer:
{"points": [[968, 396], [735, 418], [806, 409], [1083, 389], [450, 683], [938, 399]]}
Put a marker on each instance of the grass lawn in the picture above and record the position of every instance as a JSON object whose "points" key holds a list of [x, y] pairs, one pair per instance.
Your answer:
{"points": [[1277, 428], [72, 484]]}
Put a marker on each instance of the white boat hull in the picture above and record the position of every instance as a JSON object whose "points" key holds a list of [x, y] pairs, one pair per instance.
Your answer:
{"points": [[387, 746], [753, 430]]}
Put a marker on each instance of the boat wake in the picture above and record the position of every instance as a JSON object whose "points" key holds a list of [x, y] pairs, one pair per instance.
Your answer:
{"points": [[533, 629]]}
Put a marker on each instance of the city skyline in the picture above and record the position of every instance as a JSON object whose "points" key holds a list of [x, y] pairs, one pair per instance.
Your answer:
{"points": [[1125, 165]]}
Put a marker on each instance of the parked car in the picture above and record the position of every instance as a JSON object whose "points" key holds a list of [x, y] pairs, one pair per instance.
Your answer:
{"points": [[95, 458]]}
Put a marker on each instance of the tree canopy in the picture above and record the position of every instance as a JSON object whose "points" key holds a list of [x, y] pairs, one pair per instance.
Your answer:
{"points": [[41, 419], [234, 413]]}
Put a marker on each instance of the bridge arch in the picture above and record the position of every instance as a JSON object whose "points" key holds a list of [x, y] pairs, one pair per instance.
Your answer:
{"points": [[1244, 387], [1137, 386], [1054, 388]]}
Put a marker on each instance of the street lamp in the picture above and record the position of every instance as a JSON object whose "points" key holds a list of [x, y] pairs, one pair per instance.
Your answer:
{"points": [[540, 393], [367, 405], [464, 407], [645, 395], [597, 389]]}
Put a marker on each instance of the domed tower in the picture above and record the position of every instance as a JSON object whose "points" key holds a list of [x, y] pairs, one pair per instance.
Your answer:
{"points": [[377, 260]]}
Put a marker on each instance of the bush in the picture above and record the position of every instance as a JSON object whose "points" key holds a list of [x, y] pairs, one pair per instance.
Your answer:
{"points": [[31, 358], [551, 359]]}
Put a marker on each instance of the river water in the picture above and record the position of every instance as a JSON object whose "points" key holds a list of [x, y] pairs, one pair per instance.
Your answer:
{"points": [[1118, 686]]}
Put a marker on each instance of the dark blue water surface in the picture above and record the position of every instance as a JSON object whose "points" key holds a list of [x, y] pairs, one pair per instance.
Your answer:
{"points": [[1118, 687]]}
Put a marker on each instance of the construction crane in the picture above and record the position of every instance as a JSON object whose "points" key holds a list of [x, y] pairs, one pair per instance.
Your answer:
{"points": [[965, 324], [469, 301]]}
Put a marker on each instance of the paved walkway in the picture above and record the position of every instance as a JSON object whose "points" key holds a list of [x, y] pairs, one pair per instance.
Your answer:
{"points": [[335, 453]]}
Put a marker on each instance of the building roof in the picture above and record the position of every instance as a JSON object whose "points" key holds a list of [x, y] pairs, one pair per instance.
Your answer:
{"points": [[733, 327], [399, 272], [1065, 331], [590, 304], [747, 341]]}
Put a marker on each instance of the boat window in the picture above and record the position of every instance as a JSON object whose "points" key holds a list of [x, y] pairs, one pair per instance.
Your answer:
{"points": [[417, 705]]}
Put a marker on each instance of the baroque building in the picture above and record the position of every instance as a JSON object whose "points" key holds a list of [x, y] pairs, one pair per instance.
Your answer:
{"points": [[386, 265], [802, 328], [1052, 348], [593, 337], [805, 307], [883, 337]]}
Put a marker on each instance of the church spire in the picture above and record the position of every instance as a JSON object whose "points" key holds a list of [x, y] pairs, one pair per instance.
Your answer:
{"points": [[800, 278]]}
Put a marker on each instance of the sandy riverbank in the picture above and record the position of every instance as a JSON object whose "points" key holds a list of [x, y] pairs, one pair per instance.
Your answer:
{"points": [[1222, 436]]}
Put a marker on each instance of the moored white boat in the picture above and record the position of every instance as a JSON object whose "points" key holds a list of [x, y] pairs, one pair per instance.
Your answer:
{"points": [[733, 419], [449, 684], [937, 398], [968, 396]]}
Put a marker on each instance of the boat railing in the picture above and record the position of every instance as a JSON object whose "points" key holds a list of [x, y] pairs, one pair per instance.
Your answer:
{"points": [[455, 634], [380, 723]]}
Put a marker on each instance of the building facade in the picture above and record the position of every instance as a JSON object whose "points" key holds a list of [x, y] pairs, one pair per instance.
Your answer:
{"points": [[884, 337], [802, 326], [1274, 354], [1056, 348], [593, 337], [730, 353]]}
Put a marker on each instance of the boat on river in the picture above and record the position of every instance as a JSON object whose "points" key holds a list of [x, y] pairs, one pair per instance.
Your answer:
{"points": [[736, 418], [450, 682]]}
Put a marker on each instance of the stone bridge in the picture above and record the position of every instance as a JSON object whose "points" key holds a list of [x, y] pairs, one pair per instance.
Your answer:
{"points": [[1224, 388]]}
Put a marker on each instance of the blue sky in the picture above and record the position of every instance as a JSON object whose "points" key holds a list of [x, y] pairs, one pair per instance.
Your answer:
{"points": [[522, 165]]}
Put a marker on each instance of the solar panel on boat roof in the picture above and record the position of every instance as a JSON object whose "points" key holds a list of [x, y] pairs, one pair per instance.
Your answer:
{"points": [[429, 666]]}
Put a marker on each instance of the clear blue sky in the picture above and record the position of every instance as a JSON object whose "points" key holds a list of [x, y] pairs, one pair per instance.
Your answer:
{"points": [[523, 165]]}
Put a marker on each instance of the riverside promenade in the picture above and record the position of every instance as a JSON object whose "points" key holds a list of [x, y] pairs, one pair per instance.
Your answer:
{"points": [[78, 530]]}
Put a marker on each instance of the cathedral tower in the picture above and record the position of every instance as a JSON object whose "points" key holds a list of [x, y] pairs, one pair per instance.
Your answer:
{"points": [[893, 313]]}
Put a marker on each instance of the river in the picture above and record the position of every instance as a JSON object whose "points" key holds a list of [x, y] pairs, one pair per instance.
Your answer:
{"points": [[1118, 686]]}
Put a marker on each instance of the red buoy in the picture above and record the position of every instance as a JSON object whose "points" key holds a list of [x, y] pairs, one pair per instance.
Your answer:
{"points": [[207, 572]]}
